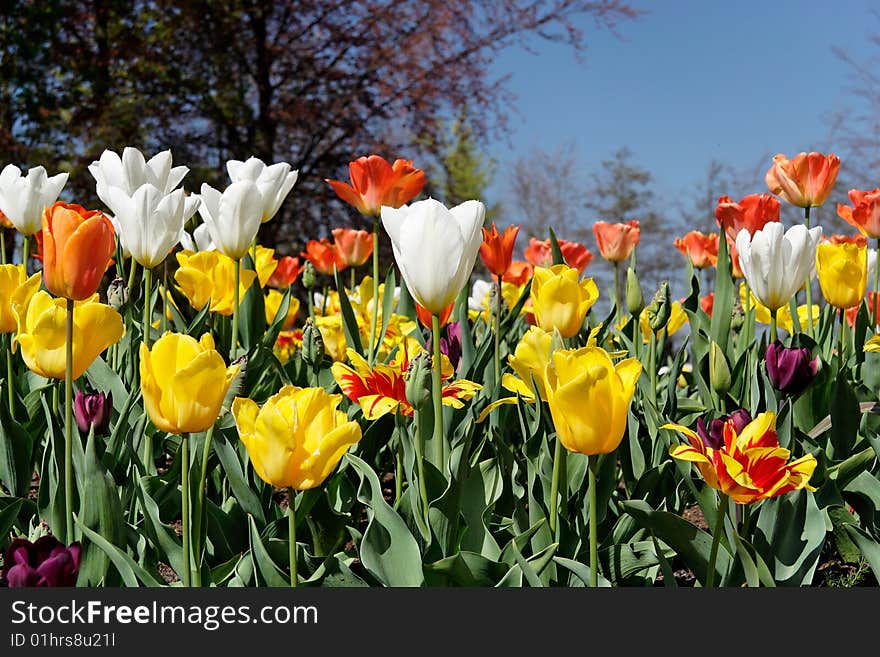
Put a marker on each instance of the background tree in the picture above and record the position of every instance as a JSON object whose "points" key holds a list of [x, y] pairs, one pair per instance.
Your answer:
{"points": [[314, 83]]}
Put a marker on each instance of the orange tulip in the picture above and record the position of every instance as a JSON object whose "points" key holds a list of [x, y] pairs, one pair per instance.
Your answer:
{"points": [[497, 249], [707, 303], [540, 254], [424, 315], [285, 273], [871, 302], [735, 270], [702, 249], [752, 212], [324, 256], [616, 241], [865, 213], [75, 246], [859, 240], [518, 273], [355, 246], [805, 181], [375, 182]]}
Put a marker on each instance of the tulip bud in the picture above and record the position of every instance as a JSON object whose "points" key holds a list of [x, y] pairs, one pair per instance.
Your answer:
{"points": [[713, 436], [719, 371], [93, 410], [450, 345], [790, 369], [418, 381], [308, 275], [313, 344], [635, 300], [660, 307], [117, 293]]}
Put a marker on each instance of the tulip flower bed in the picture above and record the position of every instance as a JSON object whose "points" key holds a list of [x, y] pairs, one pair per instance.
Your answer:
{"points": [[232, 417]]}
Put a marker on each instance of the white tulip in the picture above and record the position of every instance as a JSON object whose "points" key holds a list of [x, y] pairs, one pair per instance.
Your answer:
{"points": [[274, 181], [479, 299], [23, 198], [131, 171], [233, 216], [435, 247], [149, 221], [200, 240], [776, 262]]}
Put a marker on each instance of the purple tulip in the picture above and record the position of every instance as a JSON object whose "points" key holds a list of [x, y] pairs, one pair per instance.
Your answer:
{"points": [[45, 562], [713, 436], [451, 344], [790, 369], [93, 409]]}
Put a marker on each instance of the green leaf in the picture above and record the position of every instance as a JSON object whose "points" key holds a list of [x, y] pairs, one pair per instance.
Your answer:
{"points": [[349, 323], [131, 572], [242, 490], [8, 514], [469, 569], [555, 250], [272, 575], [845, 417], [252, 315], [162, 536], [868, 546], [581, 571], [689, 541], [16, 448], [388, 550], [789, 534]]}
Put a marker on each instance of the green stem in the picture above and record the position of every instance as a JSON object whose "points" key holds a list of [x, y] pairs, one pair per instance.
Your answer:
{"points": [[164, 298], [148, 295], [2, 246], [25, 251], [876, 287], [554, 487], [773, 325], [594, 533], [808, 287], [68, 426], [746, 520], [353, 279], [398, 472], [201, 515], [419, 445], [841, 338], [374, 324], [184, 494], [148, 452], [132, 277], [497, 332], [439, 448], [235, 300], [616, 292], [716, 540], [291, 538], [652, 364], [10, 385]]}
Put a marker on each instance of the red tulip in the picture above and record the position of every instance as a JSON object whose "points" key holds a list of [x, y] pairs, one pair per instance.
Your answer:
{"points": [[701, 249], [540, 254], [865, 213], [497, 249], [324, 256], [753, 212], [286, 272], [616, 241], [518, 273]]}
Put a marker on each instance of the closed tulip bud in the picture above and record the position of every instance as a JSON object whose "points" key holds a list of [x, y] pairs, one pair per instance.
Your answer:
{"points": [[117, 293], [713, 435], [418, 381], [309, 275], [45, 562], [313, 344], [93, 409], [719, 371], [232, 216], [635, 300], [450, 345], [660, 307], [790, 369]]}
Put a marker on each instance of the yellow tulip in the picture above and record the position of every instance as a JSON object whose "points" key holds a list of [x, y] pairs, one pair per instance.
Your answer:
{"points": [[184, 381], [589, 398], [677, 319], [297, 437], [273, 303], [266, 264], [843, 273], [529, 360], [783, 315], [11, 278], [210, 276], [42, 330], [560, 300]]}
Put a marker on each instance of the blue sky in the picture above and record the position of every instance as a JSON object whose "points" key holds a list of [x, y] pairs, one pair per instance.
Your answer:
{"points": [[688, 82]]}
